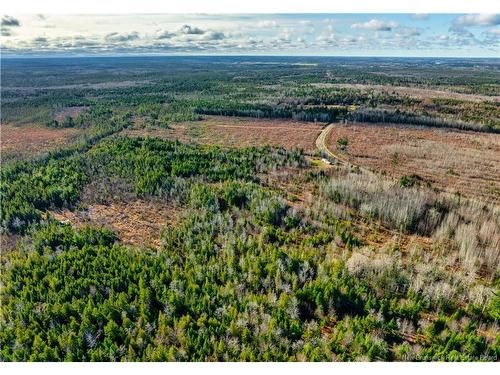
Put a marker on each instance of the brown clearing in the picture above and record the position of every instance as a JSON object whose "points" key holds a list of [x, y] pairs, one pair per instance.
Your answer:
{"points": [[137, 223], [455, 161], [68, 112], [29, 140], [376, 235], [239, 132]]}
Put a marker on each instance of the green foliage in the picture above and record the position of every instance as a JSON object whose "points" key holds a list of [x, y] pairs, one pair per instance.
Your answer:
{"points": [[342, 143], [409, 181], [163, 90], [243, 275], [152, 165], [240, 278], [300, 113], [26, 191], [68, 122]]}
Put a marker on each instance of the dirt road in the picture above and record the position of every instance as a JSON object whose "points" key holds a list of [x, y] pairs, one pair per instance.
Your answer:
{"points": [[321, 145]]}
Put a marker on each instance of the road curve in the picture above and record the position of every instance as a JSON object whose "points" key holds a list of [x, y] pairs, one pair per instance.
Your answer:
{"points": [[321, 142]]}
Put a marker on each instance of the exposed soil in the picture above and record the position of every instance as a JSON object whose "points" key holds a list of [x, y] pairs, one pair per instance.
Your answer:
{"points": [[137, 223], [456, 161]]}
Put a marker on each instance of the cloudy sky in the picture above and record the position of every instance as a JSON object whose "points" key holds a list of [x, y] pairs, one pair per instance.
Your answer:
{"points": [[461, 35]]}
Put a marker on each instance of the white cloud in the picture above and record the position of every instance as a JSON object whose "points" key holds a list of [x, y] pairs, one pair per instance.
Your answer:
{"points": [[191, 30], [10, 21], [213, 35], [228, 34], [124, 37], [406, 32], [375, 24], [7, 23], [267, 24], [284, 37], [419, 16], [471, 20], [166, 35], [491, 37], [494, 31]]}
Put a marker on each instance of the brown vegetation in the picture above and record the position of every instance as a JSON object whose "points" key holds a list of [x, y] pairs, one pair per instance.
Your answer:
{"points": [[68, 112], [8, 241], [28, 140], [456, 161], [460, 236], [137, 223], [239, 132]]}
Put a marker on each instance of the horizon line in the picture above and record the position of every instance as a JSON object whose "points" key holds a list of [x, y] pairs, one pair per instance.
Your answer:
{"points": [[32, 56]]}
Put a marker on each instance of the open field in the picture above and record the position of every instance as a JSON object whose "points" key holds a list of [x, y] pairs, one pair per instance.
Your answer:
{"points": [[239, 132], [456, 161], [28, 140]]}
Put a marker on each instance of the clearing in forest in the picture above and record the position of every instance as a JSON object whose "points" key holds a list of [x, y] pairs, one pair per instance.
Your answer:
{"points": [[239, 132], [457, 161], [138, 223], [28, 140]]}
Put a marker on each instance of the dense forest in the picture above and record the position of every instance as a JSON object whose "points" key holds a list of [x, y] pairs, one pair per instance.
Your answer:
{"points": [[249, 271]]}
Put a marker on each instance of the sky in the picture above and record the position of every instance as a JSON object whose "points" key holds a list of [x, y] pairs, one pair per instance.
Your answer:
{"points": [[443, 35]]}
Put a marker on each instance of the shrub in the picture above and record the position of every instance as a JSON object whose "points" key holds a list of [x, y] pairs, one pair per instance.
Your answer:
{"points": [[342, 143]]}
